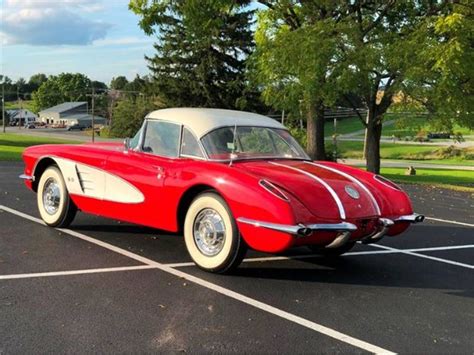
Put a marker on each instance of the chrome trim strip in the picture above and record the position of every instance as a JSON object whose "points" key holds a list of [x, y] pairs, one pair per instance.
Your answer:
{"points": [[343, 226], [333, 193], [412, 218], [287, 228], [376, 178], [295, 229], [354, 180], [27, 177]]}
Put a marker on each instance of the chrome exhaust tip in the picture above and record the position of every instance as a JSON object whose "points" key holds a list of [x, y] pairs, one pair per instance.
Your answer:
{"points": [[304, 232], [420, 218]]}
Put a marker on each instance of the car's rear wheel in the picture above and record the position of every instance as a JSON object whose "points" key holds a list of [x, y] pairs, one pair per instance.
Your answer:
{"points": [[332, 252], [54, 204], [211, 234]]}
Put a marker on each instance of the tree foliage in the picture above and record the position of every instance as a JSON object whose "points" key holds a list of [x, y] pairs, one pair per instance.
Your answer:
{"points": [[61, 88], [444, 86], [118, 83], [324, 49], [200, 50], [129, 114], [296, 63]]}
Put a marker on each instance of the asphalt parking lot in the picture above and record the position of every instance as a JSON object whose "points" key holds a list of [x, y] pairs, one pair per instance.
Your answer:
{"points": [[104, 286]]}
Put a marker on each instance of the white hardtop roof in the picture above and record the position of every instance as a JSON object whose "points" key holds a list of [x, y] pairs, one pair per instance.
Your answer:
{"points": [[203, 120]]}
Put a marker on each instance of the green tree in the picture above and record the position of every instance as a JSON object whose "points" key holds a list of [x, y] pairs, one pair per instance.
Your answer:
{"points": [[9, 88], [35, 81], [129, 114], [383, 52], [201, 50], [118, 83], [99, 86], [295, 63], [444, 86], [62, 88]]}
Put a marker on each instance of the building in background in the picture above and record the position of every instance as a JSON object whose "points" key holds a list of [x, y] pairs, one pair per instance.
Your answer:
{"points": [[20, 117], [69, 114]]}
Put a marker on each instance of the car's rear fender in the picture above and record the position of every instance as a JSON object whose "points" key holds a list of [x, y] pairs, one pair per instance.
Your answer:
{"points": [[246, 198]]}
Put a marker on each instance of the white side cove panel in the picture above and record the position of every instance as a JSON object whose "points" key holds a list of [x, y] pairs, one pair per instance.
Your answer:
{"points": [[85, 180]]}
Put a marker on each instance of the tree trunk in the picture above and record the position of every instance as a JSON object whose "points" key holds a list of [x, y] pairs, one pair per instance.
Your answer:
{"points": [[315, 132], [374, 133]]}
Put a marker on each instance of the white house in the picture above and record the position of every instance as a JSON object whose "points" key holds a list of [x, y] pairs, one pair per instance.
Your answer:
{"points": [[21, 115]]}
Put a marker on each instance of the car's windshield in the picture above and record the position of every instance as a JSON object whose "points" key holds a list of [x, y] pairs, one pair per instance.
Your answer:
{"points": [[251, 143]]}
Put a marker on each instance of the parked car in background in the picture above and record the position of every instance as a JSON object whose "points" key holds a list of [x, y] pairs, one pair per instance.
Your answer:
{"points": [[76, 127], [227, 180]]}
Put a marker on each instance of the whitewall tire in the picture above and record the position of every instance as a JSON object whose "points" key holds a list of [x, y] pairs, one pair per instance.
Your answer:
{"points": [[54, 204], [211, 234]]}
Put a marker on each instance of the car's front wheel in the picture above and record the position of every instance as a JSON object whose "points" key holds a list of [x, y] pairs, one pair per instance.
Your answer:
{"points": [[54, 204], [211, 234]]}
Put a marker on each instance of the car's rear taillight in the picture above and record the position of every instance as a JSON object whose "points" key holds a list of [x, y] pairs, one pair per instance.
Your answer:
{"points": [[273, 189], [387, 182]]}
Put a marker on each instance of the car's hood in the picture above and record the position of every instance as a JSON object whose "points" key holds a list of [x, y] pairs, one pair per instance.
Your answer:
{"points": [[324, 190]]}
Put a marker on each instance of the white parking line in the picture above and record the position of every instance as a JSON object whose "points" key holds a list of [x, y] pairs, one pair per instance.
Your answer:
{"points": [[75, 272], [451, 247], [408, 252], [449, 221], [291, 257], [354, 253], [222, 290]]}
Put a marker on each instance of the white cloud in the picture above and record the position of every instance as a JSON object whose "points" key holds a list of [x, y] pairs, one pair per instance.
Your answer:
{"points": [[50, 22]]}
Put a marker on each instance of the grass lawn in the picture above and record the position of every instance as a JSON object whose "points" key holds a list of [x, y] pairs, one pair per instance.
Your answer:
{"points": [[456, 179], [404, 126], [12, 145], [424, 153], [344, 126], [409, 126]]}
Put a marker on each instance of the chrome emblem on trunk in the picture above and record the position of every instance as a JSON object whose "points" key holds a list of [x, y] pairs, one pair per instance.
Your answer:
{"points": [[352, 192]]}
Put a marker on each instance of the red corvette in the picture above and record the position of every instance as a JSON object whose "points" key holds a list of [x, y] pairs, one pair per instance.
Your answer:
{"points": [[228, 180]]}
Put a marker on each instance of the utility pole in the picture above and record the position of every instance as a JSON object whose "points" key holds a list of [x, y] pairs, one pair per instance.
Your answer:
{"points": [[93, 104], [3, 106], [19, 105]]}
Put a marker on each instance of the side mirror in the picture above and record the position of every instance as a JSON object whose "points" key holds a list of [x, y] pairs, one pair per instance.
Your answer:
{"points": [[126, 144]]}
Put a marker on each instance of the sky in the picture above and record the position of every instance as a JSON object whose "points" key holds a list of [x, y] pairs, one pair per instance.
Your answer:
{"points": [[99, 38]]}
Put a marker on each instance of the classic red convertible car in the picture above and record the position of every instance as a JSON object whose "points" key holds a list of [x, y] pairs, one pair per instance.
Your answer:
{"points": [[228, 180]]}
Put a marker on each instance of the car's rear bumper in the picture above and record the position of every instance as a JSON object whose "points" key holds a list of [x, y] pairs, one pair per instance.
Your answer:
{"points": [[343, 229], [300, 229]]}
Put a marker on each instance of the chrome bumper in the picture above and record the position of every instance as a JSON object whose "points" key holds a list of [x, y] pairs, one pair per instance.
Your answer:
{"points": [[386, 223], [301, 230], [344, 228], [27, 177]]}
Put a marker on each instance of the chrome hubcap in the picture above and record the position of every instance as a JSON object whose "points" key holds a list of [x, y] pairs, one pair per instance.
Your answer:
{"points": [[209, 232], [51, 196]]}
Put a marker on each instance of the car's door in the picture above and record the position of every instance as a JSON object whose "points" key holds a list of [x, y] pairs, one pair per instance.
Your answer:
{"points": [[152, 167]]}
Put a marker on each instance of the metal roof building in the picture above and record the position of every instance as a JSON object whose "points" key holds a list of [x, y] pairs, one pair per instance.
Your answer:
{"points": [[68, 114]]}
